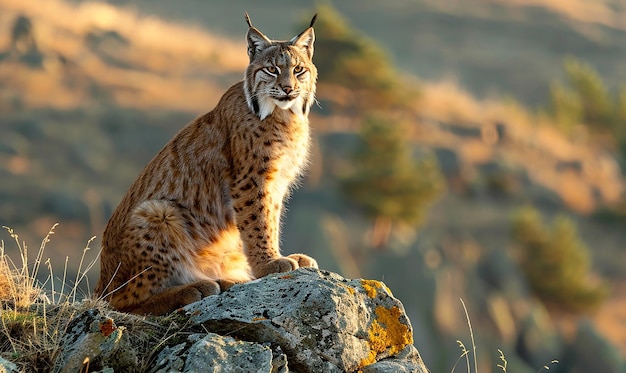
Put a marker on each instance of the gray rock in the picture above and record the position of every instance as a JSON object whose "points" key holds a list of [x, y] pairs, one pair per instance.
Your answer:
{"points": [[279, 361], [214, 353], [323, 322], [170, 359], [406, 361], [7, 366], [93, 340]]}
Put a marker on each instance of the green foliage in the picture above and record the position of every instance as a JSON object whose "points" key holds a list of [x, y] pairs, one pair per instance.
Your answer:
{"points": [[345, 57], [556, 262], [386, 179], [566, 106], [597, 105], [585, 99], [620, 110]]}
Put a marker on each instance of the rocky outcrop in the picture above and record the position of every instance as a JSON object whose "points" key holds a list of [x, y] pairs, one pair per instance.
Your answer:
{"points": [[323, 322], [301, 321]]}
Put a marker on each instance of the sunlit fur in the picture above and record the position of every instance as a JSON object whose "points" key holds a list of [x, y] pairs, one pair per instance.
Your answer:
{"points": [[205, 212], [276, 66]]}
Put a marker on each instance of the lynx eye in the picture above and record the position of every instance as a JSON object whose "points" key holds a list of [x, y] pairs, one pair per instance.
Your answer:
{"points": [[272, 70], [298, 70]]}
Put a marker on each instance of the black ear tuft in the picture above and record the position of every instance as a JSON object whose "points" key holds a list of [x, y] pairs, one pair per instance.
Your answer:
{"points": [[248, 19], [312, 20]]}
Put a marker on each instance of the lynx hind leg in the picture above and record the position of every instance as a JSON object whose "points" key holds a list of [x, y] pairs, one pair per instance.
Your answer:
{"points": [[158, 277], [174, 298]]}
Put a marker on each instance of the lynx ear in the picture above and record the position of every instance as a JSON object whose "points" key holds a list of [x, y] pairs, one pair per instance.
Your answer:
{"points": [[306, 38], [247, 17], [256, 40]]}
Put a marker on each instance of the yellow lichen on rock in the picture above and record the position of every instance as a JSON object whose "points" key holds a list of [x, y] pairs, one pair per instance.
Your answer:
{"points": [[387, 334], [371, 287], [350, 289]]}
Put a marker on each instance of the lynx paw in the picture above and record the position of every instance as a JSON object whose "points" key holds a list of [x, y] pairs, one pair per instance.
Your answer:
{"points": [[304, 260], [198, 290], [283, 264], [286, 264], [227, 284]]}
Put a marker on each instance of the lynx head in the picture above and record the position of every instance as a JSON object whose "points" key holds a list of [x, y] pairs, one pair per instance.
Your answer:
{"points": [[281, 74]]}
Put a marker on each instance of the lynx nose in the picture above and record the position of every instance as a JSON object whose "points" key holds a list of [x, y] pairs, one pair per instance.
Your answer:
{"points": [[287, 89]]}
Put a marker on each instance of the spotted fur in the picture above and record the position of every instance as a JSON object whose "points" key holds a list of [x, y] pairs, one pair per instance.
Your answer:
{"points": [[205, 212]]}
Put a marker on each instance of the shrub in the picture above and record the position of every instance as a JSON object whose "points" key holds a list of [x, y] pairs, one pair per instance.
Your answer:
{"points": [[386, 180], [585, 99], [556, 262], [346, 58]]}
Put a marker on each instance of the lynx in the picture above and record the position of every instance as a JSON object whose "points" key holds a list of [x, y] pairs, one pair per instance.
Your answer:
{"points": [[205, 212]]}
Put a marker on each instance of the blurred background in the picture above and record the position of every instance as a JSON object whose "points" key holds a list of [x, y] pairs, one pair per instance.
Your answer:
{"points": [[462, 149]]}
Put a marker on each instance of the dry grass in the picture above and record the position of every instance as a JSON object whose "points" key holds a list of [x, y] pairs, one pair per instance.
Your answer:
{"points": [[33, 319], [465, 353], [34, 315], [20, 286]]}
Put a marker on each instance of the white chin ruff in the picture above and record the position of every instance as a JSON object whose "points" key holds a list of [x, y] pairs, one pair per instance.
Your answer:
{"points": [[267, 106], [284, 104]]}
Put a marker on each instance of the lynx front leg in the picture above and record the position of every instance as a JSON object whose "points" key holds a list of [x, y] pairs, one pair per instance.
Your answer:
{"points": [[258, 220]]}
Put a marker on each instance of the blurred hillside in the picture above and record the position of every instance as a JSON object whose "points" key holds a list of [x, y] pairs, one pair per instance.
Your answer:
{"points": [[89, 92], [492, 47]]}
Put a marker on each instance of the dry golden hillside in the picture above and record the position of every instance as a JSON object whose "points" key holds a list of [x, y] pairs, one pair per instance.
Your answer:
{"points": [[582, 173], [134, 61]]}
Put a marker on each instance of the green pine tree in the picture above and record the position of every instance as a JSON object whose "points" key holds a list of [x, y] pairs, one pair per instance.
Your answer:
{"points": [[346, 58], [386, 180], [566, 106], [596, 99], [583, 99], [556, 262]]}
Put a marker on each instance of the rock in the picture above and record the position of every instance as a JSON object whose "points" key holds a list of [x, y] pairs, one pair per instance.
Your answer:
{"points": [[407, 360], [214, 353], [93, 340], [171, 359], [323, 322], [7, 366]]}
